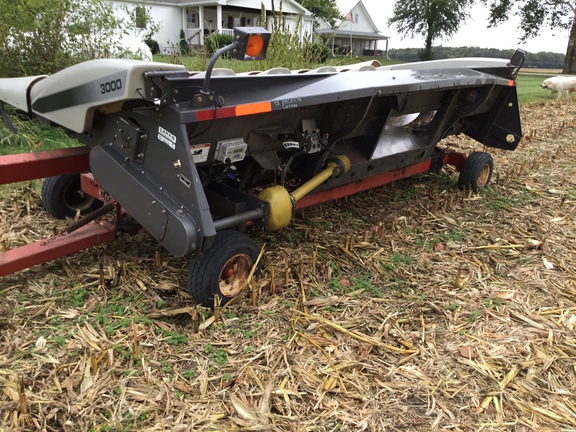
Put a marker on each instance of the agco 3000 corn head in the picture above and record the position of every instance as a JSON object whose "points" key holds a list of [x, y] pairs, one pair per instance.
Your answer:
{"points": [[193, 158]]}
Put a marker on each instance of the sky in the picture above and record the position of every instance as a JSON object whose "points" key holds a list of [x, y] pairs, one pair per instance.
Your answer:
{"points": [[475, 31]]}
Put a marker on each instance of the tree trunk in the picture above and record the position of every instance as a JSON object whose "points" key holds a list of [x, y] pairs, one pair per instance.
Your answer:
{"points": [[570, 61], [427, 53]]}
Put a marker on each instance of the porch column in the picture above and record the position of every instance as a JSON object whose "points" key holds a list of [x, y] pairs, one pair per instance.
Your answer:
{"points": [[201, 25], [219, 18]]}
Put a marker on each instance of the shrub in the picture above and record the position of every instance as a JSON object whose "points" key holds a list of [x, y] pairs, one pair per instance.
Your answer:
{"points": [[317, 53], [184, 48], [43, 37], [217, 41], [153, 45]]}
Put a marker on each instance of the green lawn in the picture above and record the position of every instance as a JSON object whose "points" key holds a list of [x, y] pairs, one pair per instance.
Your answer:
{"points": [[529, 89]]}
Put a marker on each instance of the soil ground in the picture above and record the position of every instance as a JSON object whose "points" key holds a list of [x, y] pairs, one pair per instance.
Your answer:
{"points": [[411, 307]]}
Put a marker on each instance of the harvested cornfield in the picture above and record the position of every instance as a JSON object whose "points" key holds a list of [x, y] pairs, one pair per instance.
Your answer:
{"points": [[410, 307]]}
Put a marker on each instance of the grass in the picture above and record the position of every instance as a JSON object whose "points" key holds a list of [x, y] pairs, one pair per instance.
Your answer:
{"points": [[529, 89], [200, 62], [31, 135]]}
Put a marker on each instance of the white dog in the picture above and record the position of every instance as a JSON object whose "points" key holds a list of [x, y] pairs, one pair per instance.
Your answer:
{"points": [[560, 84]]}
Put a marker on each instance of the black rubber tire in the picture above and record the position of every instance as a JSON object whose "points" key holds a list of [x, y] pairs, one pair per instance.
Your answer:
{"points": [[232, 252], [476, 171], [62, 197]]}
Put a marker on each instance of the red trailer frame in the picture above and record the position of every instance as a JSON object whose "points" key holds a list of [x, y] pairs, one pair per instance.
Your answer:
{"points": [[86, 233]]}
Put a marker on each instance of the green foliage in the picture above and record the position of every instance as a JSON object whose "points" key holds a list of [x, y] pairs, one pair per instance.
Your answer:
{"points": [[217, 355], [432, 19], [453, 307], [153, 45], [175, 338], [545, 60], [45, 36], [286, 49], [317, 52], [326, 9], [217, 41], [32, 136], [183, 44], [536, 15]]}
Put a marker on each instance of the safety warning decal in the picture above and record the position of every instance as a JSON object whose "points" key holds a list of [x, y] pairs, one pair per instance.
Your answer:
{"points": [[200, 152]]}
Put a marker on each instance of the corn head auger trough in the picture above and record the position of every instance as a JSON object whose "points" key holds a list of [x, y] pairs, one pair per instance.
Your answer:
{"points": [[193, 158]]}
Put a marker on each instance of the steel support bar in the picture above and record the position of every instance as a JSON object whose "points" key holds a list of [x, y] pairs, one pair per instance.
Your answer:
{"points": [[456, 159], [30, 166], [450, 158], [362, 185], [55, 247]]}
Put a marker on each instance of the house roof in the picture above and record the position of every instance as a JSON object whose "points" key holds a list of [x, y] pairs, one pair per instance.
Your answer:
{"points": [[237, 3], [359, 7], [357, 34], [345, 29]]}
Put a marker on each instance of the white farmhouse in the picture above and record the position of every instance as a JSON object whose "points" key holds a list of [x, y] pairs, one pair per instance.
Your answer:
{"points": [[200, 18], [356, 35]]}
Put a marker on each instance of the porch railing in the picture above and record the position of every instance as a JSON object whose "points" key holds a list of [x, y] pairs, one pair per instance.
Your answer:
{"points": [[194, 36]]}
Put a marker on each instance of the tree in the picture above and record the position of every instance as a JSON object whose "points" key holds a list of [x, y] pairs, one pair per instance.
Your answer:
{"points": [[432, 19], [45, 36], [534, 15], [326, 9]]}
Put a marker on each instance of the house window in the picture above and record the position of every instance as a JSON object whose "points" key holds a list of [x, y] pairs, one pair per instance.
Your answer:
{"points": [[140, 17], [355, 18], [190, 18]]}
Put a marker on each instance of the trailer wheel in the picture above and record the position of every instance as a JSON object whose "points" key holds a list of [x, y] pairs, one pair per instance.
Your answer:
{"points": [[62, 196], [223, 269], [476, 171]]}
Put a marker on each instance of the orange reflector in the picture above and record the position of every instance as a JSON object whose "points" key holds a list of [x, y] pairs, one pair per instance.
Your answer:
{"points": [[253, 108], [234, 111], [511, 83], [255, 45]]}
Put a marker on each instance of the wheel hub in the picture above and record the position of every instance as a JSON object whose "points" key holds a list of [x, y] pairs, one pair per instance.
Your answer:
{"points": [[234, 275], [484, 176]]}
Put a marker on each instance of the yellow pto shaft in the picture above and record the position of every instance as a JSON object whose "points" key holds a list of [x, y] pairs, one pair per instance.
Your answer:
{"points": [[281, 202]]}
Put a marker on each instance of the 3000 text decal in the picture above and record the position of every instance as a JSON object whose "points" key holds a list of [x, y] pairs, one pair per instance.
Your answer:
{"points": [[111, 86]]}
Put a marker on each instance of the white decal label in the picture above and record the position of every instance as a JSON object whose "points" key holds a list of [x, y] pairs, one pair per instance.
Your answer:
{"points": [[200, 152], [166, 137]]}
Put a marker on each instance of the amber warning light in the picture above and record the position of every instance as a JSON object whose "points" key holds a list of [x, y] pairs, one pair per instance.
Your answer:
{"points": [[252, 43]]}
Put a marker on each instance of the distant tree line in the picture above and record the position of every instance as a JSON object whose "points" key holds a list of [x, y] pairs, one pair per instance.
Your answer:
{"points": [[544, 60]]}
